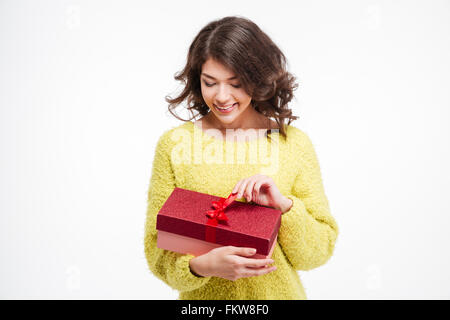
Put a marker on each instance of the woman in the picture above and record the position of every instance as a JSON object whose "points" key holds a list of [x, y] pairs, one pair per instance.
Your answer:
{"points": [[236, 79]]}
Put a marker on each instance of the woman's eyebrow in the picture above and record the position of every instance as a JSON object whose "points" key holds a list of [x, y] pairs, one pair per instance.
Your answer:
{"points": [[211, 77]]}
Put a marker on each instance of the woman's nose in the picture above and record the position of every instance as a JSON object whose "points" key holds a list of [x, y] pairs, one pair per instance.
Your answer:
{"points": [[222, 94]]}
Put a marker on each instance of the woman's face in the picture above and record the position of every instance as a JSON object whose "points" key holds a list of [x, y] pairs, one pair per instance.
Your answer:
{"points": [[221, 88]]}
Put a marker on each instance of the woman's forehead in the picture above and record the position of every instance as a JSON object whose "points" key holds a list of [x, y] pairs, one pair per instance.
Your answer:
{"points": [[217, 71]]}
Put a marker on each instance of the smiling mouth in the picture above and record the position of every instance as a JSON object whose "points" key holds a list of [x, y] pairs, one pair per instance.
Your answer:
{"points": [[227, 108]]}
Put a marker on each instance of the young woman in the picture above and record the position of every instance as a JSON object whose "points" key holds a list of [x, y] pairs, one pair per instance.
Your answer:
{"points": [[236, 80]]}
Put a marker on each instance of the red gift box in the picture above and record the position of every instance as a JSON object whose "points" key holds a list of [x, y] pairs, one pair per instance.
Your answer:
{"points": [[194, 222]]}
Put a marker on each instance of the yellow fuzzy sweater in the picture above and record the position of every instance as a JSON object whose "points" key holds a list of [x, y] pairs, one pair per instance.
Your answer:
{"points": [[189, 157]]}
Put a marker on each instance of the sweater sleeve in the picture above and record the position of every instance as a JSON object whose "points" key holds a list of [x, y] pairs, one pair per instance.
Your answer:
{"points": [[170, 267], [308, 232]]}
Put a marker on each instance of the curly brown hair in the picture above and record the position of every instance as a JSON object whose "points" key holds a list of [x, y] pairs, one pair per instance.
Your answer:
{"points": [[240, 45]]}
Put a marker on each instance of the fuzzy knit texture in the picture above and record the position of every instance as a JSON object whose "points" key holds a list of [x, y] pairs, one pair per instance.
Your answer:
{"points": [[188, 157]]}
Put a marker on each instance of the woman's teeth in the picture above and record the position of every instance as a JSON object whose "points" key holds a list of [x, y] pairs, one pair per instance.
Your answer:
{"points": [[226, 108]]}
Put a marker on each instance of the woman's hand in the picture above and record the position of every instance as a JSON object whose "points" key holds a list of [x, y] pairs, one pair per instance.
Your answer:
{"points": [[230, 263], [262, 190]]}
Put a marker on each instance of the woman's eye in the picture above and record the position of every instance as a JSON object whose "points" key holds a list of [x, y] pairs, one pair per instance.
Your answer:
{"points": [[211, 84]]}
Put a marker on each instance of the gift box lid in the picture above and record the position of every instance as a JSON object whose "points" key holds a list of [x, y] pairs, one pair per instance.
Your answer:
{"points": [[248, 225]]}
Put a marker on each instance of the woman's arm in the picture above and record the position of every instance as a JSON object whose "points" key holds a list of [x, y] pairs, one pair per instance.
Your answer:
{"points": [[170, 267], [308, 232]]}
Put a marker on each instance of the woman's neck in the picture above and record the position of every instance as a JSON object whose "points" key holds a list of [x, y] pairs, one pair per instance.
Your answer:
{"points": [[252, 119]]}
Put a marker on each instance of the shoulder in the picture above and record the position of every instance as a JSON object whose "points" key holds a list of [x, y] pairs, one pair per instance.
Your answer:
{"points": [[297, 136], [172, 135], [301, 145]]}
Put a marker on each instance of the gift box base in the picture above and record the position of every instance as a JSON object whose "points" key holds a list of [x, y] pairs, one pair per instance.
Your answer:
{"points": [[185, 245]]}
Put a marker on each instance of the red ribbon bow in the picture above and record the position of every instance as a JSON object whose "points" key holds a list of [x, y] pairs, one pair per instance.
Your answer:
{"points": [[216, 215]]}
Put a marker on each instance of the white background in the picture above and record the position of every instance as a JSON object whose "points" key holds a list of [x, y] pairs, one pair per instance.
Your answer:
{"points": [[82, 87]]}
